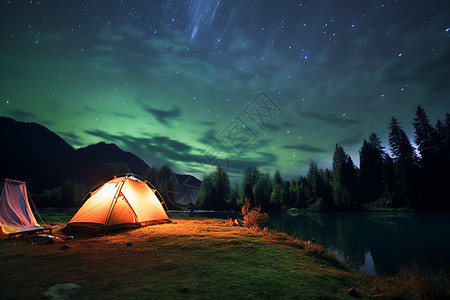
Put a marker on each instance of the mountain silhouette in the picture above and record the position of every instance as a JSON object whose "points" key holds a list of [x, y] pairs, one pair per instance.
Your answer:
{"points": [[30, 152]]}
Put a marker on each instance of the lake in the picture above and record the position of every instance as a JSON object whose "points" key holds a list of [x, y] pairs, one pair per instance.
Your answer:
{"points": [[373, 243]]}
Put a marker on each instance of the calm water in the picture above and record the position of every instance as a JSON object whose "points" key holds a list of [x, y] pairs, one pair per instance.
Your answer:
{"points": [[374, 243]]}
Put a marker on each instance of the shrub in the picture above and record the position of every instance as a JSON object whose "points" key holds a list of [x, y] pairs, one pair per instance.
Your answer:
{"points": [[253, 218]]}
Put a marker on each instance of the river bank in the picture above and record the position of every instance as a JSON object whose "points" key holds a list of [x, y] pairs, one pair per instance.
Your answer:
{"points": [[197, 258]]}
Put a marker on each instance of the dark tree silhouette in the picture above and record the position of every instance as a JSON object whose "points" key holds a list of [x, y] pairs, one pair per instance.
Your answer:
{"points": [[207, 194], [167, 185], [371, 161], [251, 175], [152, 176], [215, 191], [425, 135], [278, 195], [344, 179], [404, 163], [262, 191]]}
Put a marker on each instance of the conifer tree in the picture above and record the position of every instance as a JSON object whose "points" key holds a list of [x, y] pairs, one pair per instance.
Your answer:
{"points": [[301, 198], [425, 134], [262, 191], [399, 143], [344, 179], [371, 166], [404, 161]]}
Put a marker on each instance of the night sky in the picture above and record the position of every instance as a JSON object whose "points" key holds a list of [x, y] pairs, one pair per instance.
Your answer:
{"points": [[271, 84]]}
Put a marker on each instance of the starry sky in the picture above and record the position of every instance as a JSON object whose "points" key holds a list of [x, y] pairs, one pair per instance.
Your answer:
{"points": [[271, 84]]}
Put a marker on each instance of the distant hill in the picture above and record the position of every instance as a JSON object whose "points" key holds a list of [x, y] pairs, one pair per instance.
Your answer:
{"points": [[97, 162], [30, 152]]}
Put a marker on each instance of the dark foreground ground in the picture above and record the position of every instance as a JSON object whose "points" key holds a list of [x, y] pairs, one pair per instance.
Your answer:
{"points": [[189, 259]]}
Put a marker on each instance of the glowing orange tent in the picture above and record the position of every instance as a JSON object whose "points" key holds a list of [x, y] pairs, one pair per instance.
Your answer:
{"points": [[119, 203], [15, 212]]}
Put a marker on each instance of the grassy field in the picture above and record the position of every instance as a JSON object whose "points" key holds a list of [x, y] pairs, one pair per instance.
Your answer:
{"points": [[188, 259]]}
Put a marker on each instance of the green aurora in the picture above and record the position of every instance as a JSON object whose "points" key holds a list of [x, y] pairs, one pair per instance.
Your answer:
{"points": [[240, 83]]}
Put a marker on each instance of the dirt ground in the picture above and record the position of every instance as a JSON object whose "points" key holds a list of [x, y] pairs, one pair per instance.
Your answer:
{"points": [[189, 259]]}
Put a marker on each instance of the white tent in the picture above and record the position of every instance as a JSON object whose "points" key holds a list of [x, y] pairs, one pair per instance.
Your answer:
{"points": [[15, 212]]}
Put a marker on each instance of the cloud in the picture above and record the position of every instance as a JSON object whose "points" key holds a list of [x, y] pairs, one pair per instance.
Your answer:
{"points": [[71, 138], [122, 115], [23, 115], [157, 149], [352, 140], [175, 145], [304, 147], [271, 127], [329, 118], [9, 70], [162, 115], [160, 150], [209, 137], [435, 71]]}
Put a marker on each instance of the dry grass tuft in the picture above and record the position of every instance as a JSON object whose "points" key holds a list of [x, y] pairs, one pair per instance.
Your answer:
{"points": [[417, 284]]}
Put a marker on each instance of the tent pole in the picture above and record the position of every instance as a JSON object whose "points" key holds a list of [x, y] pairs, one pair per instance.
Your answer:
{"points": [[113, 203], [160, 198]]}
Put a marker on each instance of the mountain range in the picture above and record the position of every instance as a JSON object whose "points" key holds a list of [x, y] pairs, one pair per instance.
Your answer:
{"points": [[32, 153]]}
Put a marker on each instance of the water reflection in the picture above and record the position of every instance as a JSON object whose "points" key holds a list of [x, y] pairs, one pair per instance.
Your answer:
{"points": [[374, 243]]}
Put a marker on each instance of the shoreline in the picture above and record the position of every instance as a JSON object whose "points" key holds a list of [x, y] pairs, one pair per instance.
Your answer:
{"points": [[190, 258]]}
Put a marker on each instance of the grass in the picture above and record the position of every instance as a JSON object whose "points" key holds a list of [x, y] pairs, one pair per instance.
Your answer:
{"points": [[189, 259]]}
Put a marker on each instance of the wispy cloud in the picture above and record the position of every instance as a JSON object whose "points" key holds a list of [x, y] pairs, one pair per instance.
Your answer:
{"points": [[163, 115], [304, 147], [329, 118]]}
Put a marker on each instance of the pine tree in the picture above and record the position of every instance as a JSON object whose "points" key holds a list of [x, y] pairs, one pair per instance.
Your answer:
{"points": [[404, 162], [440, 176], [391, 189], [262, 191], [399, 143], [344, 179], [301, 198], [371, 166], [441, 138], [446, 136], [425, 135]]}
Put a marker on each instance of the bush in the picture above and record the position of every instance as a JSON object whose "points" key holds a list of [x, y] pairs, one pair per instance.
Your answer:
{"points": [[253, 218]]}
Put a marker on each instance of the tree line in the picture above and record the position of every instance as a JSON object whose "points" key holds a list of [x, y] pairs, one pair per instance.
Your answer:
{"points": [[71, 191], [407, 177]]}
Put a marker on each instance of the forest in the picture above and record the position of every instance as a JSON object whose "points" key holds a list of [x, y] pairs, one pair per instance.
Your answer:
{"points": [[409, 178]]}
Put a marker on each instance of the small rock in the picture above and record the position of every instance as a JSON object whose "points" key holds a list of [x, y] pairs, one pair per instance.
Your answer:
{"points": [[65, 246], [62, 291], [129, 244]]}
